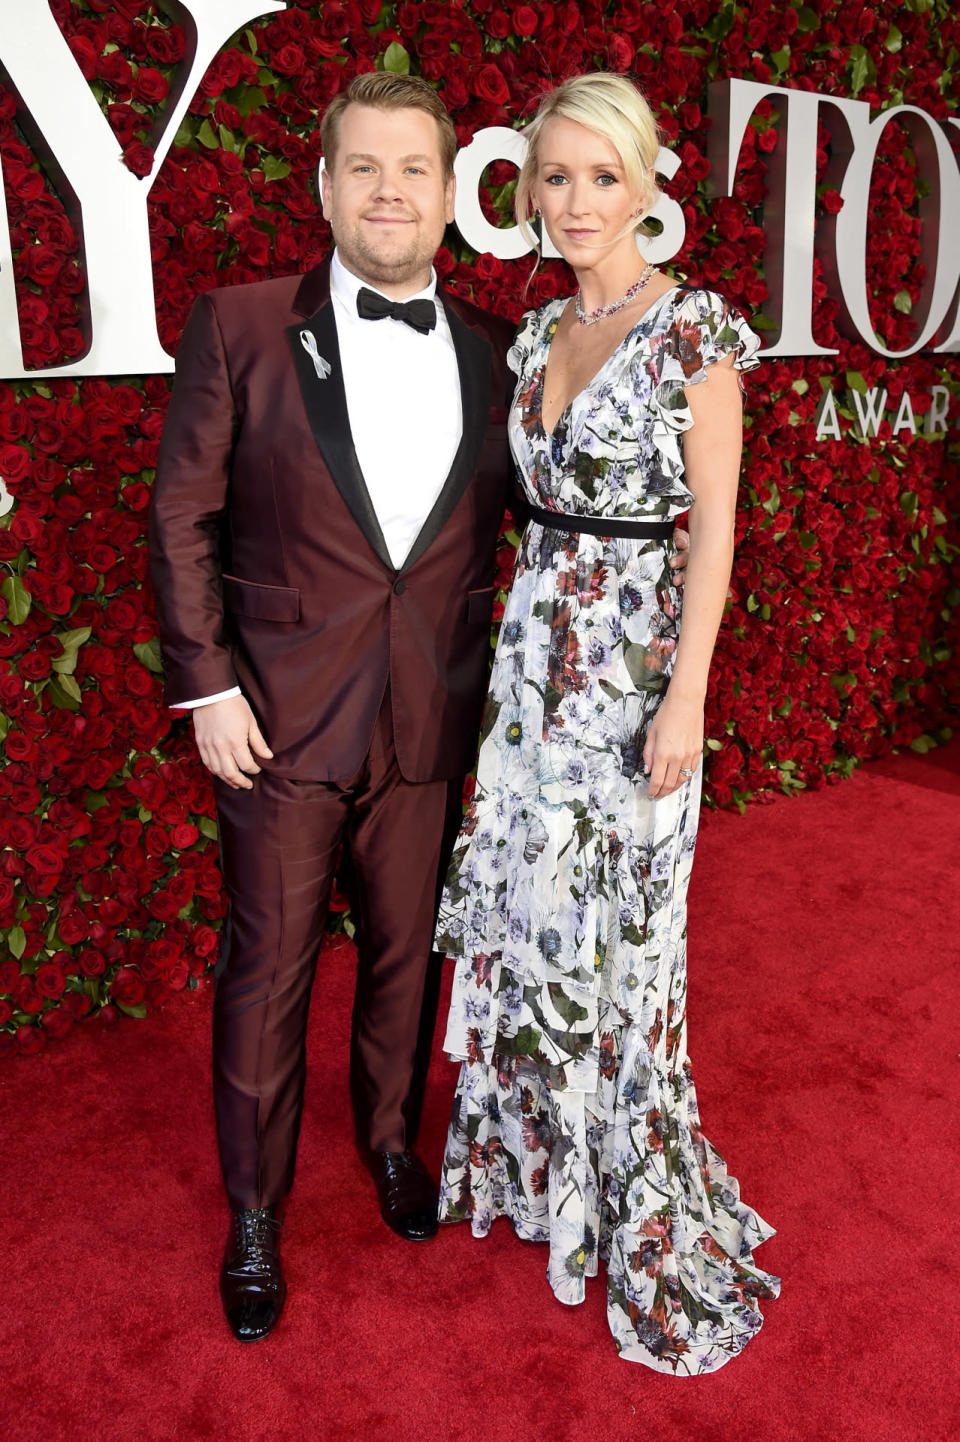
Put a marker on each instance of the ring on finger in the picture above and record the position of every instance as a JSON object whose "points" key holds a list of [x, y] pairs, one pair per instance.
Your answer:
{"points": [[686, 771]]}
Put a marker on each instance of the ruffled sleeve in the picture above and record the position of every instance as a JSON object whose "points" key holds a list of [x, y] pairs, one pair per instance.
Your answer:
{"points": [[704, 328], [523, 341]]}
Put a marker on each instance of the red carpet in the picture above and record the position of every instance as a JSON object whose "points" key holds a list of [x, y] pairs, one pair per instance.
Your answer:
{"points": [[823, 1036]]}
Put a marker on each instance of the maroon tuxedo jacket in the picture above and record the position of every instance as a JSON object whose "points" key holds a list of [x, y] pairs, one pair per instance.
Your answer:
{"points": [[268, 564]]}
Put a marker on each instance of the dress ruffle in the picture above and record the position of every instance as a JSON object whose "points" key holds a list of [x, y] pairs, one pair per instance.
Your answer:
{"points": [[706, 328]]}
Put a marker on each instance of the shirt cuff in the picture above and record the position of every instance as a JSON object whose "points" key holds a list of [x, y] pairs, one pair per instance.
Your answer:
{"points": [[207, 700]]}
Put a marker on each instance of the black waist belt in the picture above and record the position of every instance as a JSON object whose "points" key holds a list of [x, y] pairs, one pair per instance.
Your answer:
{"points": [[619, 526]]}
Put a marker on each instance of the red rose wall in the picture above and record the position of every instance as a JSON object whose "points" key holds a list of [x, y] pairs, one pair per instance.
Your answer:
{"points": [[840, 640]]}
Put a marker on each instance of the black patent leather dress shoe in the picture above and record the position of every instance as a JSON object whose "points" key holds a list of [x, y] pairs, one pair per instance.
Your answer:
{"points": [[408, 1198], [251, 1279]]}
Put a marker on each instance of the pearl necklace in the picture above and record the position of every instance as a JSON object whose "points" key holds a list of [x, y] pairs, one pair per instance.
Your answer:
{"points": [[590, 317]]}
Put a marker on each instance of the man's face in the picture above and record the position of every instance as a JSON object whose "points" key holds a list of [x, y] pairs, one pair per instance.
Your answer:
{"points": [[387, 201]]}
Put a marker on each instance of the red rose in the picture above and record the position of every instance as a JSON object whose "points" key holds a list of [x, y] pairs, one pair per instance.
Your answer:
{"points": [[489, 84], [49, 979], [205, 941], [619, 53], [14, 464], [150, 85], [56, 1022], [84, 54], [30, 1040], [9, 976], [90, 961], [26, 997], [45, 859], [166, 46], [127, 987], [288, 60]]}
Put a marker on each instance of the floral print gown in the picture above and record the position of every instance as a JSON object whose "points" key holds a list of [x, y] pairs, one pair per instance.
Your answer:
{"points": [[565, 906]]}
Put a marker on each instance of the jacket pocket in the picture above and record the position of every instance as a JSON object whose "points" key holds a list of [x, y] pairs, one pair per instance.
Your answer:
{"points": [[260, 603], [480, 605]]}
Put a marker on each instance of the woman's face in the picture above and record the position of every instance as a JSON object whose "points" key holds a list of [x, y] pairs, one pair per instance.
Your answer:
{"points": [[588, 205]]}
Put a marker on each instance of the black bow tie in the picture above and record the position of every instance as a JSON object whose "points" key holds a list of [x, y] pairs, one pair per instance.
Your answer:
{"points": [[420, 314]]}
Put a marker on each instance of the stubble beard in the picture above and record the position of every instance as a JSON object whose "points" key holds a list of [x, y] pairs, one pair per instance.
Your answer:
{"points": [[380, 268]]}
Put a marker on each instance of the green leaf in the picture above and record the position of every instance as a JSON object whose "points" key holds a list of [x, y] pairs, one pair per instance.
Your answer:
{"points": [[713, 744], [148, 654], [185, 132], [894, 40], [565, 1006], [64, 693], [139, 1010], [527, 1041], [856, 382], [4, 726], [396, 59], [923, 744], [208, 136], [18, 599], [249, 98], [781, 59], [807, 19], [71, 641], [227, 139], [251, 41], [903, 302], [208, 827], [17, 941], [908, 503], [274, 168], [759, 321], [862, 69]]}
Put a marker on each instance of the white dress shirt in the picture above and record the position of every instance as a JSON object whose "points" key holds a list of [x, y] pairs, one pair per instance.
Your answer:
{"points": [[405, 412]]}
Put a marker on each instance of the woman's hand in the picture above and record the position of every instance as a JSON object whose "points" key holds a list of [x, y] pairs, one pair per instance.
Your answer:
{"points": [[674, 744]]}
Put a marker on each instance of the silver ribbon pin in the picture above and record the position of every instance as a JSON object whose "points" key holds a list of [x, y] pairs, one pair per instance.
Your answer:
{"points": [[308, 341]]}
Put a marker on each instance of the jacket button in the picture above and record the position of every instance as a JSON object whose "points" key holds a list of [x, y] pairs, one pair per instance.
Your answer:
{"points": [[399, 588]]}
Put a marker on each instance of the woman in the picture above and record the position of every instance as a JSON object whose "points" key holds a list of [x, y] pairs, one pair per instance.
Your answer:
{"points": [[575, 1113]]}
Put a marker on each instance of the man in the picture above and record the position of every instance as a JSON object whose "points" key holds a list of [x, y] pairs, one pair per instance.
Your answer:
{"points": [[331, 483]]}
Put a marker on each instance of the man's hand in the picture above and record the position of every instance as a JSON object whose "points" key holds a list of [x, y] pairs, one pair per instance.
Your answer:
{"points": [[227, 737], [678, 563]]}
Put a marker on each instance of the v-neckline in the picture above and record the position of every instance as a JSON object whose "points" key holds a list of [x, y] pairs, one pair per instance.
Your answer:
{"points": [[651, 310]]}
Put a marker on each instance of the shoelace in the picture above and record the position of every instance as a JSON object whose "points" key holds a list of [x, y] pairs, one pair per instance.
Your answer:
{"points": [[397, 1169], [255, 1233]]}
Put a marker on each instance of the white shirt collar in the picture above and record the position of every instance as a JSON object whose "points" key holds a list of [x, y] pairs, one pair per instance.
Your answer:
{"points": [[344, 285]]}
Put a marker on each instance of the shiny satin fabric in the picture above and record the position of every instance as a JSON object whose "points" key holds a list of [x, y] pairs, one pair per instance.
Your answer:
{"points": [[279, 847], [268, 564]]}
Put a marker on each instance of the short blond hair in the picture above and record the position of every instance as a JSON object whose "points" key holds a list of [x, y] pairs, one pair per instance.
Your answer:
{"points": [[385, 91], [611, 106]]}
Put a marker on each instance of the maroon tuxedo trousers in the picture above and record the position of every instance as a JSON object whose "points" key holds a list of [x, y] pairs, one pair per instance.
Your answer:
{"points": [[281, 840], [270, 571]]}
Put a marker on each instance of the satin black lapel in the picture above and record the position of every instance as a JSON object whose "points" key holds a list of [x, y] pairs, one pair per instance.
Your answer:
{"points": [[325, 402], [473, 362]]}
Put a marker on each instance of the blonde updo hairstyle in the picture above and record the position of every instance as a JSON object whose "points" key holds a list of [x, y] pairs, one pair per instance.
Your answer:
{"points": [[611, 106]]}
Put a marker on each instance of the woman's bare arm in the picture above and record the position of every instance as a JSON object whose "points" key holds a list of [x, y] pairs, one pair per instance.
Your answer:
{"points": [[711, 451]]}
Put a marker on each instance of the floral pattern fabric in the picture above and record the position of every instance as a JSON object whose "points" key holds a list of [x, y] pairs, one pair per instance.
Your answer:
{"points": [[565, 906]]}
